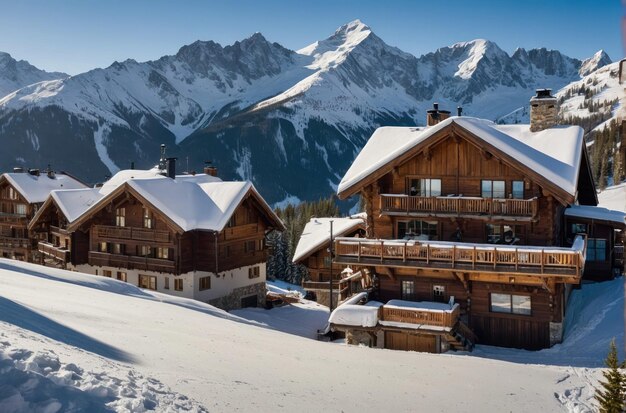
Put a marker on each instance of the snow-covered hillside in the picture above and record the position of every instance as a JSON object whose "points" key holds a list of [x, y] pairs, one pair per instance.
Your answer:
{"points": [[260, 111], [99, 343], [16, 74], [613, 197]]}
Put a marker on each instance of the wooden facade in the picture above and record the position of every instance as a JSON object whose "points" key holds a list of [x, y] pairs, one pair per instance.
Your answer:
{"points": [[15, 213], [455, 218]]}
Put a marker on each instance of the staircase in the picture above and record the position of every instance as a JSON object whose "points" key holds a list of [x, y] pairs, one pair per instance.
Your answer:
{"points": [[461, 338]]}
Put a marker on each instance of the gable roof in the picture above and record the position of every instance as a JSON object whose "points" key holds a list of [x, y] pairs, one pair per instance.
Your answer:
{"points": [[316, 233], [554, 154], [35, 189], [189, 202]]}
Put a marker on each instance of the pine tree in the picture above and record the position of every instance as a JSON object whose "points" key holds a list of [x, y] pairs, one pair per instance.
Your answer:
{"points": [[612, 396]]}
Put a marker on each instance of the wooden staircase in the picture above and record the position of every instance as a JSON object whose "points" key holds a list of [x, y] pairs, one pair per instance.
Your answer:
{"points": [[461, 338]]}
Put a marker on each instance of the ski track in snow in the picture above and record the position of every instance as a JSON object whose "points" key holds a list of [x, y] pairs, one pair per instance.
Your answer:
{"points": [[99, 140]]}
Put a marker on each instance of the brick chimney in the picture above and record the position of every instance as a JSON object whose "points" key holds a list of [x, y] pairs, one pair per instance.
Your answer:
{"points": [[542, 110], [434, 116]]}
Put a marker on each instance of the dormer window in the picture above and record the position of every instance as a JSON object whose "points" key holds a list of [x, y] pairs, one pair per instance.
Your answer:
{"points": [[426, 187], [120, 217]]}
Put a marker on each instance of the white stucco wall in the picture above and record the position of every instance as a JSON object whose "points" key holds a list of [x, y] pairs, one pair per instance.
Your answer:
{"points": [[221, 285]]}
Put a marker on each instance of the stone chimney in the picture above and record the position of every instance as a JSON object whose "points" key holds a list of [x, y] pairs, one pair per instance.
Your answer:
{"points": [[542, 110], [209, 169], [434, 116]]}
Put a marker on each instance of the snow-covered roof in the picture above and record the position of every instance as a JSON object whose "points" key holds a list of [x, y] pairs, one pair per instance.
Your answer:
{"points": [[553, 153], [191, 201], [316, 233], [36, 188], [598, 213]]}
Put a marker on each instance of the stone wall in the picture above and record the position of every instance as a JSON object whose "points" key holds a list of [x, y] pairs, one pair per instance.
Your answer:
{"points": [[322, 296], [556, 333], [542, 114], [232, 301], [358, 337]]}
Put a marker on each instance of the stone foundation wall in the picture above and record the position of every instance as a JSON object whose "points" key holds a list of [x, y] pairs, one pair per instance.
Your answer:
{"points": [[556, 333], [322, 297], [357, 337], [232, 301]]}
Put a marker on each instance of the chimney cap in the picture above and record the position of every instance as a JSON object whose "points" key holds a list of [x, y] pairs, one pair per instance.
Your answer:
{"points": [[543, 94]]}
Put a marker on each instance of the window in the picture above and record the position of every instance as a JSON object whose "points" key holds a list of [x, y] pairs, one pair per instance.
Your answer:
{"points": [[439, 292], [145, 251], [517, 189], [578, 229], [408, 290], [249, 246], [120, 217], [20, 209], [327, 262], [502, 234], [418, 229], [205, 283], [424, 187], [121, 275], [596, 249], [492, 189], [254, 272], [226, 251], [178, 284], [107, 273], [147, 218], [147, 281], [166, 283], [13, 193], [103, 247], [510, 304], [163, 253], [118, 248]]}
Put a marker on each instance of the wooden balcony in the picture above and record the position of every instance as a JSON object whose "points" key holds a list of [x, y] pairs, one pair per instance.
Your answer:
{"points": [[458, 206], [344, 287], [139, 234], [465, 257], [430, 315], [14, 243], [10, 217], [131, 262], [59, 231], [59, 253]]}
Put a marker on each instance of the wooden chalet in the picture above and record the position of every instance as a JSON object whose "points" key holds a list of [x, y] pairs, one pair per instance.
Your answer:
{"points": [[22, 192], [313, 252], [469, 234], [194, 236]]}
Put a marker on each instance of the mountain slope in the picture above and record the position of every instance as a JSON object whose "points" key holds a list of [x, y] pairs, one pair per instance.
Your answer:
{"points": [[15, 74], [260, 111]]}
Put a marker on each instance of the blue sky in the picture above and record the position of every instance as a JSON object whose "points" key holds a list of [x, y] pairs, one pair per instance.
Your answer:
{"points": [[76, 35]]}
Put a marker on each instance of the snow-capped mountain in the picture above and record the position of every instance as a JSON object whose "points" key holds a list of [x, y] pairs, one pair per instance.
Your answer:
{"points": [[15, 74], [595, 62], [291, 121]]}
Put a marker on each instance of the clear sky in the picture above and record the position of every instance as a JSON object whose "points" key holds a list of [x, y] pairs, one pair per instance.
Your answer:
{"points": [[77, 35]]}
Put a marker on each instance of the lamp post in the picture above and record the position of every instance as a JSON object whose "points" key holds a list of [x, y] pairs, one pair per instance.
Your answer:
{"points": [[330, 283]]}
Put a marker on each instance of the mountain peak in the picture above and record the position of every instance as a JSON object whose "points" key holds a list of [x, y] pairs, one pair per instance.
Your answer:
{"points": [[355, 26], [599, 59], [345, 38]]}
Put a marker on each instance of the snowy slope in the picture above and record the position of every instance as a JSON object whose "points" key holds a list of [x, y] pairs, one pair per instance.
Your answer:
{"points": [[613, 197], [164, 349], [15, 74]]}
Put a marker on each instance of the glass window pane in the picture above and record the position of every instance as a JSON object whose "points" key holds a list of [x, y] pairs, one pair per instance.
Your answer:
{"points": [[500, 303], [521, 304], [498, 189], [435, 187], [401, 229], [518, 189], [486, 189]]}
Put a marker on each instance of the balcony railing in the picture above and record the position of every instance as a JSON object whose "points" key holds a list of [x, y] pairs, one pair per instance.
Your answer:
{"points": [[457, 206], [59, 253], [413, 314], [140, 234], [10, 242], [131, 262], [344, 287], [58, 230], [467, 257], [11, 217]]}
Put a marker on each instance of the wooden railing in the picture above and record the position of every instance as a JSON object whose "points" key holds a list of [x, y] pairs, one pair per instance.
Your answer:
{"points": [[131, 262], [421, 316], [458, 205], [59, 230], [345, 287], [239, 231], [10, 217], [140, 234], [10, 242], [464, 256], [53, 251]]}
